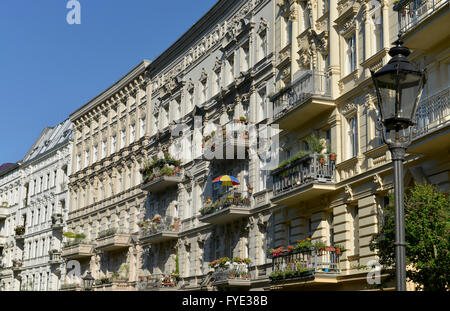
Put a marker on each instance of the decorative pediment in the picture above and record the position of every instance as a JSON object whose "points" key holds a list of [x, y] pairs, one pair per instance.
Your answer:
{"points": [[349, 108]]}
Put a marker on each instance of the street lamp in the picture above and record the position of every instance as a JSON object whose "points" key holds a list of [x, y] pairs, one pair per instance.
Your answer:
{"points": [[398, 85], [88, 281]]}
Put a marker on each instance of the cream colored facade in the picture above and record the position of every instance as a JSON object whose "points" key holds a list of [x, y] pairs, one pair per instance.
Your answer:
{"points": [[141, 180], [111, 133], [334, 46]]}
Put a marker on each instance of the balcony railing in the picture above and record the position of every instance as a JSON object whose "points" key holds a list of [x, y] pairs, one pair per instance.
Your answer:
{"points": [[113, 239], [230, 206], [78, 249], [57, 222], [55, 257], [158, 282], [304, 263], [158, 231], [232, 272], [433, 113], [310, 83], [306, 170], [413, 12]]}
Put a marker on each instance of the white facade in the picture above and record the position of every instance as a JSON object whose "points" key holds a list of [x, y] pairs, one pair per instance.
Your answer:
{"points": [[39, 201]]}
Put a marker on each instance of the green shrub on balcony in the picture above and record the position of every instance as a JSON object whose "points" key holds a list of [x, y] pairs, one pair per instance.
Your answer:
{"points": [[19, 230], [106, 233]]}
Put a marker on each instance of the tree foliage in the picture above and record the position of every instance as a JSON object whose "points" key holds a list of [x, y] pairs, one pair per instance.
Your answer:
{"points": [[427, 233]]}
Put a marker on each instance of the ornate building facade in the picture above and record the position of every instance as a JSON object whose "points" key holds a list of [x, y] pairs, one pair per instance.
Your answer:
{"points": [[206, 90], [276, 94], [9, 205], [37, 211], [327, 51], [111, 133]]}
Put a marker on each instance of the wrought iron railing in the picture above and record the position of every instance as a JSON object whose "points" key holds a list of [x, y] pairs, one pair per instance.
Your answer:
{"points": [[167, 223], [308, 169], [157, 281], [310, 83], [413, 12], [232, 271], [432, 113], [305, 263], [225, 200]]}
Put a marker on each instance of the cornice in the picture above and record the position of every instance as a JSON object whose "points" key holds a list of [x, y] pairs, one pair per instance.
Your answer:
{"points": [[111, 91]]}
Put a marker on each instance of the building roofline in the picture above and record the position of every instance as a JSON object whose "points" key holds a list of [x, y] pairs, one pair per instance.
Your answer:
{"points": [[139, 68], [197, 31]]}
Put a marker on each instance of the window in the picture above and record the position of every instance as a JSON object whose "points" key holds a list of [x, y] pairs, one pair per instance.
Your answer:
{"points": [[104, 148], [204, 90], [376, 21], [95, 154], [262, 105], [262, 46], [350, 54], [113, 144], [86, 158], [245, 57], [123, 138], [352, 134], [132, 133], [55, 174], [287, 31], [190, 100], [328, 140], [142, 128], [230, 73], [216, 82], [310, 228]]}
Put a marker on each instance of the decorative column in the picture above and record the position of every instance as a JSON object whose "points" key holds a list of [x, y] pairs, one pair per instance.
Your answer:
{"points": [[293, 17], [385, 17], [334, 69], [367, 40]]}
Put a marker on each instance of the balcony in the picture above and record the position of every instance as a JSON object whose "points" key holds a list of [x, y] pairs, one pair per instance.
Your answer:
{"points": [[55, 257], [112, 240], [57, 222], [305, 266], [305, 178], [161, 174], [232, 144], [17, 265], [78, 249], [303, 100], [4, 210], [424, 23], [158, 282], [161, 230], [233, 275], [432, 133], [228, 208], [19, 233]]}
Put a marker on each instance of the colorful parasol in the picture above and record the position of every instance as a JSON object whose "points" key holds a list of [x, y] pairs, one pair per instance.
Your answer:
{"points": [[227, 180]]}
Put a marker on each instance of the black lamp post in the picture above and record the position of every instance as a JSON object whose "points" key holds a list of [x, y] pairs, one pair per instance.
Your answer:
{"points": [[398, 85], [88, 281]]}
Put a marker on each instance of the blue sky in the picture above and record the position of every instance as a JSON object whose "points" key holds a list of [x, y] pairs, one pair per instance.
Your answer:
{"points": [[49, 68]]}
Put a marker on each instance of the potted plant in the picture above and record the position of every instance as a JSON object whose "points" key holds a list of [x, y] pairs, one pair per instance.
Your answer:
{"points": [[339, 249], [321, 158], [332, 156]]}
